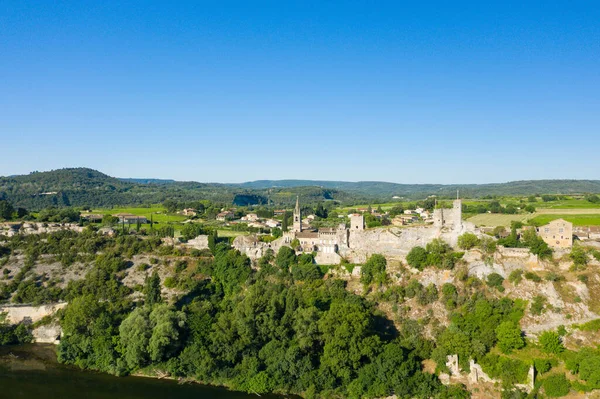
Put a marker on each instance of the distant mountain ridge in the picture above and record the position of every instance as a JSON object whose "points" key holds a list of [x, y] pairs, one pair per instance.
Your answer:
{"points": [[88, 187], [378, 188], [146, 181]]}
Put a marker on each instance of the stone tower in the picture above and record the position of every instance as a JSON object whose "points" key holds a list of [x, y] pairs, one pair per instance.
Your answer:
{"points": [[357, 222], [297, 226]]}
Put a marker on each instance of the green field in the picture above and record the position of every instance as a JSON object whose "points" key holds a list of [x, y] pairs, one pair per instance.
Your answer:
{"points": [[231, 233], [567, 204], [157, 213], [577, 220], [496, 219]]}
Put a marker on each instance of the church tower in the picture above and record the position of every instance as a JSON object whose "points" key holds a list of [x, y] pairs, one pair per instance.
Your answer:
{"points": [[297, 227]]}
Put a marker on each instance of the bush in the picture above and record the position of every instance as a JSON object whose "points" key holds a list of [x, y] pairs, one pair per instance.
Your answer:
{"points": [[495, 280], [579, 257], [428, 295], [374, 271], [170, 282], [509, 337], [551, 342], [542, 365], [533, 277], [516, 276], [556, 385], [417, 258], [537, 306], [468, 241], [487, 245], [554, 277]]}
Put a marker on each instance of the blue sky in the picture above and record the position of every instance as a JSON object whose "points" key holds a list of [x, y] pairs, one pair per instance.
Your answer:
{"points": [[409, 92]]}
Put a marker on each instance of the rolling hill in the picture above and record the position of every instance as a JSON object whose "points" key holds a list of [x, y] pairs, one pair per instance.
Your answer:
{"points": [[88, 187]]}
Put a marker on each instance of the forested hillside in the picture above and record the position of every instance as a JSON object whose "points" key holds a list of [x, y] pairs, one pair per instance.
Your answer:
{"points": [[88, 187], [416, 191]]}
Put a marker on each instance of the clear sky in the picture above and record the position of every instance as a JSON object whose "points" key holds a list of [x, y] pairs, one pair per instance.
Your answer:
{"points": [[409, 92]]}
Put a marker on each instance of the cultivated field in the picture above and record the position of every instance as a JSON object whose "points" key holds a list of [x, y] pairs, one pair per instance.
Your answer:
{"points": [[497, 219], [157, 213], [576, 219]]}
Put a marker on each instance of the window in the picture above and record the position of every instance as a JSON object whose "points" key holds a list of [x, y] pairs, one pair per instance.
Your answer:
{"points": [[561, 230], [547, 230]]}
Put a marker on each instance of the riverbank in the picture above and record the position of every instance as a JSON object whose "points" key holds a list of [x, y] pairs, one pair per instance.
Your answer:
{"points": [[32, 371]]}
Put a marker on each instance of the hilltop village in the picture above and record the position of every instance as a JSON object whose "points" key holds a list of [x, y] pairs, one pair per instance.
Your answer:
{"points": [[476, 298]]}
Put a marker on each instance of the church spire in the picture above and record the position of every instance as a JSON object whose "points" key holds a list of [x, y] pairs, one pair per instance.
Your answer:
{"points": [[297, 216]]}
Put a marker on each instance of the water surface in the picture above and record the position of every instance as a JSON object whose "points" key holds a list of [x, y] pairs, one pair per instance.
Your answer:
{"points": [[31, 372]]}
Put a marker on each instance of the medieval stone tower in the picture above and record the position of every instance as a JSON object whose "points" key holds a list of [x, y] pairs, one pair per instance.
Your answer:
{"points": [[297, 226], [449, 218]]}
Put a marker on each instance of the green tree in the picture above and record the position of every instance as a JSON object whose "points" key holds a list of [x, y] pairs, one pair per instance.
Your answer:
{"points": [[556, 385], [417, 258], [170, 206], [551, 342], [286, 257], [374, 270], [167, 324], [495, 280], [579, 256], [152, 289], [6, 210], [509, 337], [594, 199], [468, 241], [348, 339], [134, 333]]}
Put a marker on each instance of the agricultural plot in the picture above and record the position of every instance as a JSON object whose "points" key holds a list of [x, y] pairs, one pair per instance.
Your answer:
{"points": [[157, 213], [576, 219], [497, 219]]}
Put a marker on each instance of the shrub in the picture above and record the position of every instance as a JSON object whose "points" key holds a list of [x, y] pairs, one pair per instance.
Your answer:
{"points": [[170, 282], [509, 337], [143, 267], [428, 295], [374, 271], [417, 258], [449, 290], [579, 257], [487, 245], [554, 277], [542, 365], [516, 276], [413, 288], [468, 241], [551, 342], [593, 325], [533, 277], [495, 280], [537, 306], [556, 385]]}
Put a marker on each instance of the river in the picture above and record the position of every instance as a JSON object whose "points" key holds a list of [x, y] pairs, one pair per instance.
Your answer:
{"points": [[31, 372]]}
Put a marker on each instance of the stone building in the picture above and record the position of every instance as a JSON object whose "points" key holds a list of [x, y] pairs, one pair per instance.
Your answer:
{"points": [[449, 218], [357, 222], [557, 234], [325, 240]]}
